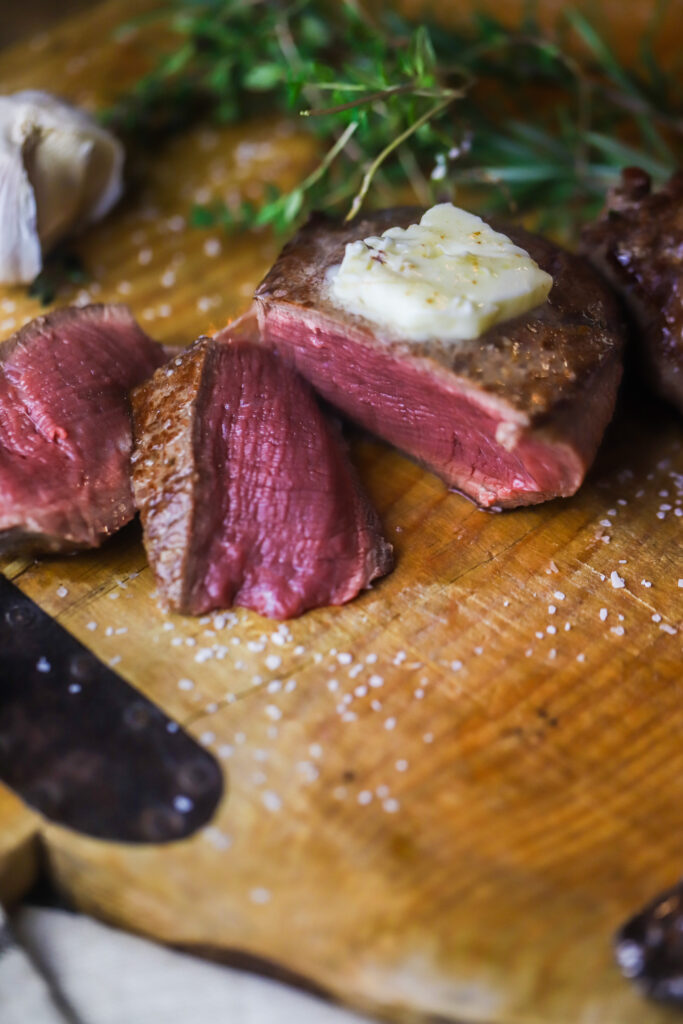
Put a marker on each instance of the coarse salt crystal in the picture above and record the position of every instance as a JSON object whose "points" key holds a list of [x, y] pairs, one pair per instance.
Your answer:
{"points": [[603, 614], [271, 801], [91, 626], [390, 723], [43, 665], [273, 661], [616, 580], [666, 628]]}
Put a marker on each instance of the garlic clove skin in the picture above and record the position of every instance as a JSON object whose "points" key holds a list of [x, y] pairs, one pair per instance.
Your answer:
{"points": [[59, 171]]}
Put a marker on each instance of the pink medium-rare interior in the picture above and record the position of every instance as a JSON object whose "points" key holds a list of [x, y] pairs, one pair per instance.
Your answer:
{"points": [[65, 434], [417, 412], [281, 524]]}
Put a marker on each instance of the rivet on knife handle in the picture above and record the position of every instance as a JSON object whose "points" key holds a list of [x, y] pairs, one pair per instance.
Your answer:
{"points": [[85, 748]]}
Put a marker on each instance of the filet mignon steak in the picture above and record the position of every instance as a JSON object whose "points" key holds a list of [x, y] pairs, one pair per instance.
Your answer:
{"points": [[245, 490], [65, 427], [510, 418], [638, 244]]}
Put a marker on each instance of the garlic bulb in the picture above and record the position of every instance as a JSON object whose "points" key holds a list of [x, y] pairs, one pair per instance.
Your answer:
{"points": [[59, 170]]}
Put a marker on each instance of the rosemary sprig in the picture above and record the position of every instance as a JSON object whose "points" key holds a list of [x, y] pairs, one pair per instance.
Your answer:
{"points": [[426, 106]]}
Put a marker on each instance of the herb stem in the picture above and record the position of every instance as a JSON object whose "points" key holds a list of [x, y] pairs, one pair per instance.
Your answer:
{"points": [[394, 144]]}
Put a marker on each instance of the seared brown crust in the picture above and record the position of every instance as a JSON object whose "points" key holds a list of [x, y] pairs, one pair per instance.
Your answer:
{"points": [[533, 362], [638, 244], [165, 473]]}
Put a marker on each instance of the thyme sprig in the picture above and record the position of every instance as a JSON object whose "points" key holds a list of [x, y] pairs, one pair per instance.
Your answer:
{"points": [[401, 104]]}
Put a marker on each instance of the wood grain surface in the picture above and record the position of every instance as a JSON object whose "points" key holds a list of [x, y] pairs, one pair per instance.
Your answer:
{"points": [[442, 798]]}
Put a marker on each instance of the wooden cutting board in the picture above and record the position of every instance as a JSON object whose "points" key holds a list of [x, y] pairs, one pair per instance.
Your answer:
{"points": [[440, 799]]}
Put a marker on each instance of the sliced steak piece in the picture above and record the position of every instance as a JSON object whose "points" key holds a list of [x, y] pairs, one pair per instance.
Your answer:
{"points": [[65, 427], [638, 244], [245, 490], [511, 418]]}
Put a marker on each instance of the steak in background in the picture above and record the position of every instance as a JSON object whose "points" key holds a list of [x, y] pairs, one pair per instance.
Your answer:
{"points": [[65, 427], [511, 418], [638, 245], [245, 490]]}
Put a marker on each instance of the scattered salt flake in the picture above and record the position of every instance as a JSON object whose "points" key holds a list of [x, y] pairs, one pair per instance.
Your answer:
{"points": [[167, 627], [391, 805], [539, 634], [217, 838], [273, 661], [603, 614], [376, 705], [259, 895], [308, 770], [456, 665], [212, 247], [211, 708], [390, 723], [344, 658], [273, 712], [646, 583], [419, 693], [478, 650], [616, 580], [74, 687], [91, 626], [271, 801], [207, 738], [558, 595], [168, 279], [145, 257], [364, 797], [376, 681], [680, 583], [618, 630], [183, 804], [172, 727], [400, 658], [382, 791], [428, 737], [361, 691], [115, 661], [62, 591], [299, 649], [315, 750], [290, 686], [225, 750], [401, 765], [370, 659], [552, 653], [332, 685], [552, 609], [666, 628], [551, 630], [567, 626], [580, 657], [349, 716], [185, 684]]}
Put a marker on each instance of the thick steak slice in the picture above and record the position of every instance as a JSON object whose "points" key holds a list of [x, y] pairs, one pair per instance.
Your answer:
{"points": [[245, 489], [638, 244], [511, 418], [65, 428]]}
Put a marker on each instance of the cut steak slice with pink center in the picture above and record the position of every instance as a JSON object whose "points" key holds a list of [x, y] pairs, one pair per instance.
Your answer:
{"points": [[65, 427], [510, 418], [245, 489]]}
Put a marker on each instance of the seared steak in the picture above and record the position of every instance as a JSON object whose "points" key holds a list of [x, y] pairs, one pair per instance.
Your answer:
{"points": [[245, 490], [65, 428], [511, 418], [638, 244]]}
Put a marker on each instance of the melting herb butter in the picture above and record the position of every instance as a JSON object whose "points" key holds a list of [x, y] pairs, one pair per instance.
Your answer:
{"points": [[451, 277]]}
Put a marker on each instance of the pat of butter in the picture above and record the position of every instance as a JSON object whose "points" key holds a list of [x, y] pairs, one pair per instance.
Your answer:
{"points": [[450, 278]]}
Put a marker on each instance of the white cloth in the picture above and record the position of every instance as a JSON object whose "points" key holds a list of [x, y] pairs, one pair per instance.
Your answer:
{"points": [[65, 968]]}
